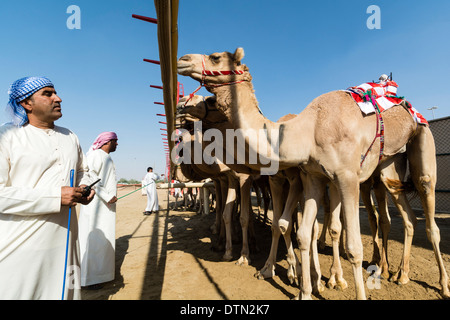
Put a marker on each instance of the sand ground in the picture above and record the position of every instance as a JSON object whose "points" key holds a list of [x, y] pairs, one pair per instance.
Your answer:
{"points": [[168, 256]]}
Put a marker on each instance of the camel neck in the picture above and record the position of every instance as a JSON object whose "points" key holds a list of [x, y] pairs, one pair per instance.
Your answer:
{"points": [[261, 135], [238, 102]]}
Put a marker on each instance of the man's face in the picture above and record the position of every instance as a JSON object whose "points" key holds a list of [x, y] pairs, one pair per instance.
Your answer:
{"points": [[113, 145], [44, 105]]}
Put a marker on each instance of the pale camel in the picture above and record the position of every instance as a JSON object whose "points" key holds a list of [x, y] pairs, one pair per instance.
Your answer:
{"points": [[285, 189], [332, 135], [206, 110], [395, 172], [233, 180]]}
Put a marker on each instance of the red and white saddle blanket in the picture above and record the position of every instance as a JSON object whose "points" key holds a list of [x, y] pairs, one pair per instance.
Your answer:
{"points": [[381, 96]]}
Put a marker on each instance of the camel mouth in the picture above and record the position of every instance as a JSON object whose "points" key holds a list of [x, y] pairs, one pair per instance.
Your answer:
{"points": [[184, 68]]}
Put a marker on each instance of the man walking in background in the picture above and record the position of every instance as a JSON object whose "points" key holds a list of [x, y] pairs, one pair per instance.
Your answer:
{"points": [[97, 223], [152, 196]]}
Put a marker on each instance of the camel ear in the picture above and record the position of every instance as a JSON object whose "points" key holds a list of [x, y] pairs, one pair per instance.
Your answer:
{"points": [[238, 55]]}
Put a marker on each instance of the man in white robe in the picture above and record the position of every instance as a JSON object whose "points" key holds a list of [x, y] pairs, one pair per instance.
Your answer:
{"points": [[97, 224], [152, 196], [36, 158]]}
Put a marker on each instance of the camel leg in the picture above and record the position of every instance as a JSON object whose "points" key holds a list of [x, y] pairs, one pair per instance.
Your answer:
{"points": [[258, 198], [216, 226], [227, 217], [291, 258], [220, 225], [276, 187], [409, 223], [266, 198], [295, 191], [422, 160], [285, 222], [336, 273], [348, 185], [372, 215], [245, 189], [313, 187], [316, 274], [326, 221], [385, 225]]}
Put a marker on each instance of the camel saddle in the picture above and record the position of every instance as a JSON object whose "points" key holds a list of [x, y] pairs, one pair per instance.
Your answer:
{"points": [[376, 97]]}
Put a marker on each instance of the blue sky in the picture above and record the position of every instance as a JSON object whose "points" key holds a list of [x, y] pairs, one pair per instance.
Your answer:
{"points": [[296, 50]]}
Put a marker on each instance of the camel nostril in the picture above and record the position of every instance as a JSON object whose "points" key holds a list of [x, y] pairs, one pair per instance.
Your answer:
{"points": [[185, 58]]}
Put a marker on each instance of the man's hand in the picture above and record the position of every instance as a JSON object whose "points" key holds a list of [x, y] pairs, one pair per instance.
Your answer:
{"points": [[88, 199], [71, 196], [113, 200]]}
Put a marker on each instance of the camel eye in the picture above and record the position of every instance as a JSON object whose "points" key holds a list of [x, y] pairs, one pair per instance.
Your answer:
{"points": [[214, 59]]}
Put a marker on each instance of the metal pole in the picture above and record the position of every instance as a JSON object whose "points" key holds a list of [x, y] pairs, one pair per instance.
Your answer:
{"points": [[68, 238]]}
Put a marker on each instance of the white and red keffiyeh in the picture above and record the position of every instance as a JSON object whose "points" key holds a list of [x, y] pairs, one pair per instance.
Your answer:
{"points": [[382, 96]]}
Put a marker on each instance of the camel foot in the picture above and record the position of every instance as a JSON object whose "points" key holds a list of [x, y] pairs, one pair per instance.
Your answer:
{"points": [[283, 225], [292, 275], [322, 245], [243, 261], [319, 287], [303, 296], [385, 274], [445, 292], [268, 271], [227, 256], [339, 284], [400, 277]]}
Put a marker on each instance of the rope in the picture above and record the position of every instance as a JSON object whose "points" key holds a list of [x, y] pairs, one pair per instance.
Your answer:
{"points": [[134, 191], [380, 128], [214, 73]]}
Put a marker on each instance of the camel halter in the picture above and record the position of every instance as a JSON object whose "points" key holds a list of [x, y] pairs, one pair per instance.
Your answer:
{"points": [[214, 73], [379, 134]]}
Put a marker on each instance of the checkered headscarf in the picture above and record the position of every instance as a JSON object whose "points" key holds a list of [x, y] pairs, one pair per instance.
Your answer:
{"points": [[19, 91]]}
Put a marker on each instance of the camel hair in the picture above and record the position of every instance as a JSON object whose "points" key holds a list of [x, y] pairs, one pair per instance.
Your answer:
{"points": [[331, 135]]}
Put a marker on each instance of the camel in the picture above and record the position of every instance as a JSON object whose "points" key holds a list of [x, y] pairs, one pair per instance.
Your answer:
{"points": [[285, 189], [336, 280], [231, 183], [332, 135]]}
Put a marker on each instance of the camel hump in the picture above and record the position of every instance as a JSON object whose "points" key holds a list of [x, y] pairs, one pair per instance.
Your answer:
{"points": [[287, 117]]}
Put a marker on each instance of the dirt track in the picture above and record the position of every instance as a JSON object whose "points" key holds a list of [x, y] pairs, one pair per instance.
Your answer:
{"points": [[168, 256]]}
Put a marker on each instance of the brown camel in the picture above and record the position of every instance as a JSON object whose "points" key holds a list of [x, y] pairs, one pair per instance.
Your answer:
{"points": [[285, 189], [396, 172], [234, 181], [332, 135], [202, 109]]}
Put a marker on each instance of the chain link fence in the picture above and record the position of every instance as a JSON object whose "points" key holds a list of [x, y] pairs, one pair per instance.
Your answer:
{"points": [[440, 129]]}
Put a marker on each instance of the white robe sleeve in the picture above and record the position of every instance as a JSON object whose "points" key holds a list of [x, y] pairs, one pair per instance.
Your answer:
{"points": [[83, 176], [25, 201], [95, 163]]}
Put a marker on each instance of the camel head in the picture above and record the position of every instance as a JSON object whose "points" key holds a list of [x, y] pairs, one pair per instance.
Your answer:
{"points": [[201, 108], [217, 68], [195, 106]]}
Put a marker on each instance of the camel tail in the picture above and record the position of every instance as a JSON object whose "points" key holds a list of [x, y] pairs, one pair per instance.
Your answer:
{"points": [[398, 186]]}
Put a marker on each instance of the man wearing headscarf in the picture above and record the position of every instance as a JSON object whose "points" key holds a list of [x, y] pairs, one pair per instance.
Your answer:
{"points": [[152, 196], [97, 223], [36, 158]]}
